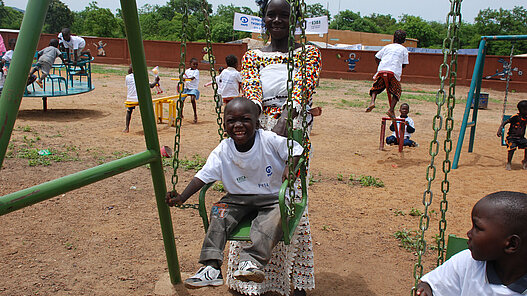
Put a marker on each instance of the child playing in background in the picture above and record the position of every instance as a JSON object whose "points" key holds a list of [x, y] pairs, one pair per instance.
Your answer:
{"points": [[391, 59], [132, 95], [516, 134], [8, 55], [46, 59], [409, 130], [230, 80], [191, 86], [251, 163], [74, 46], [495, 262]]}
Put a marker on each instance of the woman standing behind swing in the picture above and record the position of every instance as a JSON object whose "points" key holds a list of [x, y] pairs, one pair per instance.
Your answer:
{"points": [[264, 74]]}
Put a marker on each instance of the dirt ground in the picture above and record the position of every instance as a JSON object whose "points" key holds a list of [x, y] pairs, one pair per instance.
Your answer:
{"points": [[105, 239]]}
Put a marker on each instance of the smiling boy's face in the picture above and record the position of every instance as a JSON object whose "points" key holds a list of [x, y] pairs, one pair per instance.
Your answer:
{"points": [[240, 122]]}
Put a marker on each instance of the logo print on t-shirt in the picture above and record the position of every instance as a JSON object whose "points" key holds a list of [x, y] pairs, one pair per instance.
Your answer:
{"points": [[269, 170], [241, 179]]}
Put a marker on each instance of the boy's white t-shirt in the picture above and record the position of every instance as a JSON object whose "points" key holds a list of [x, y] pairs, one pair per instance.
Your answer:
{"points": [[229, 83], [410, 122], [193, 84], [75, 42], [257, 171], [130, 85], [461, 275], [393, 57]]}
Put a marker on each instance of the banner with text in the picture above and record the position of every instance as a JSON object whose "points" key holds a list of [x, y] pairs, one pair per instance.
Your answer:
{"points": [[250, 23]]}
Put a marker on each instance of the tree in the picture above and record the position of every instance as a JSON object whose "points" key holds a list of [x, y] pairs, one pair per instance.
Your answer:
{"points": [[96, 21], [9, 17], [502, 22], [315, 10], [59, 16], [348, 20], [385, 22], [224, 19], [419, 29]]}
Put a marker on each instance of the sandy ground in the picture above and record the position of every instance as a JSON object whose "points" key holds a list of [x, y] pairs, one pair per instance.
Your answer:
{"points": [[105, 239]]}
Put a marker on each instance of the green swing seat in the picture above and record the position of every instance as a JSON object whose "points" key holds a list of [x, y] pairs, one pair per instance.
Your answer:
{"points": [[503, 142], [289, 223], [455, 245]]}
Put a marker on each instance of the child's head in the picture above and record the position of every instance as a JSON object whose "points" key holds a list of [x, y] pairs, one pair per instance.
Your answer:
{"points": [[130, 69], [522, 107], [404, 109], [498, 226], [241, 120], [231, 60], [66, 34], [54, 43], [399, 36], [11, 44], [193, 63]]}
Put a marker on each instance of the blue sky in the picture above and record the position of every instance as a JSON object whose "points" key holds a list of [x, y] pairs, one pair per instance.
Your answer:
{"points": [[432, 10]]}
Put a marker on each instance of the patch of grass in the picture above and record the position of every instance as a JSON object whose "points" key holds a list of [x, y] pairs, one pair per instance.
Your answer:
{"points": [[354, 103], [35, 159], [408, 239], [366, 181], [195, 163], [414, 212], [340, 177], [120, 154], [313, 180], [421, 97], [399, 213], [100, 69]]}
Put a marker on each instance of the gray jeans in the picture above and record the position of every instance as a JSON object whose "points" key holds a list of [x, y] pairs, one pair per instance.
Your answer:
{"points": [[266, 230]]}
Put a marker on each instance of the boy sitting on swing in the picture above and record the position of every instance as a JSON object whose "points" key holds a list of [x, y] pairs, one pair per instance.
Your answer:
{"points": [[495, 262], [251, 163], [516, 134]]}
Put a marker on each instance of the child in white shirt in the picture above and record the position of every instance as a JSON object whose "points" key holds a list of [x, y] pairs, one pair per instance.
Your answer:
{"points": [[230, 80], [191, 86], [495, 263], [132, 95], [391, 59], [251, 163]]}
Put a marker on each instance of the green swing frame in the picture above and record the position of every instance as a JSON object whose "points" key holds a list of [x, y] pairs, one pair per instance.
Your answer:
{"points": [[289, 222]]}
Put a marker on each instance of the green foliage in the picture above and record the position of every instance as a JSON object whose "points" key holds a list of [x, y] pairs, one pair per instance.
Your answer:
{"points": [[96, 21], [349, 20], [420, 29], [218, 186], [59, 16], [414, 212], [316, 10], [366, 181], [195, 163], [340, 177], [9, 17], [408, 239], [385, 22], [398, 213]]}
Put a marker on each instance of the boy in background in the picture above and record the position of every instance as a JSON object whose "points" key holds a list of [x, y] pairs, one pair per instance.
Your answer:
{"points": [[46, 59], [516, 134], [391, 59], [191, 86]]}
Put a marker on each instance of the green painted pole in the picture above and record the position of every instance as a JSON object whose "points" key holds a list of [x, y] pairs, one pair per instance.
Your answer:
{"points": [[18, 71], [29, 196], [137, 54], [476, 74]]}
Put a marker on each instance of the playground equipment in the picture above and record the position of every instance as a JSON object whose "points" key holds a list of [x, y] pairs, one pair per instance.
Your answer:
{"points": [[291, 209], [64, 80], [447, 75], [399, 134], [474, 93], [10, 103]]}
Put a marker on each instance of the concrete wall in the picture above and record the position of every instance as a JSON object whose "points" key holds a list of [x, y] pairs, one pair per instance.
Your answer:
{"points": [[423, 68], [352, 37]]}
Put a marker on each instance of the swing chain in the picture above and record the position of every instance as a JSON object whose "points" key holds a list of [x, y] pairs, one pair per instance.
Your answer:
{"points": [[303, 61], [509, 73], [447, 71], [179, 103], [212, 60], [290, 84]]}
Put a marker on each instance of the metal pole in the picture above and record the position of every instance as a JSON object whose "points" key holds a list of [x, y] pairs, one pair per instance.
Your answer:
{"points": [[137, 55], [476, 74], [29, 196], [22, 58]]}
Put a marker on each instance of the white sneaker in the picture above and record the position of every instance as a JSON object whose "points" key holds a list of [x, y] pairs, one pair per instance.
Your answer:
{"points": [[249, 272], [206, 276]]}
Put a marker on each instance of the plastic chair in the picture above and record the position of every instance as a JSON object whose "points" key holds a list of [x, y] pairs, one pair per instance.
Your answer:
{"points": [[455, 245]]}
